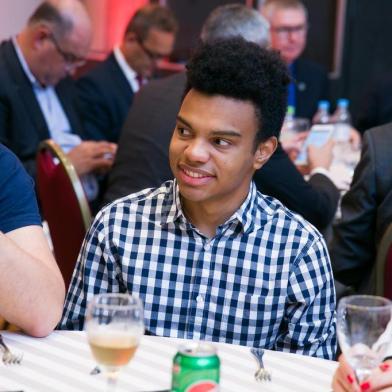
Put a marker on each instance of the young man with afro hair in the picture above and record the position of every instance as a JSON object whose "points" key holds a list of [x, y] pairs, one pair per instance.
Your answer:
{"points": [[210, 256]]}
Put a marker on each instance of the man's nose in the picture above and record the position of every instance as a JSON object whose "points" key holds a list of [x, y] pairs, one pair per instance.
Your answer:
{"points": [[292, 35], [197, 151]]}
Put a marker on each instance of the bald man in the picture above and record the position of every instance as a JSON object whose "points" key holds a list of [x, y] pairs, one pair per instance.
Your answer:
{"points": [[36, 94]]}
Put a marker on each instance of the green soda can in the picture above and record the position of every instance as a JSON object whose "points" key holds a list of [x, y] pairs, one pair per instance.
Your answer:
{"points": [[196, 368]]}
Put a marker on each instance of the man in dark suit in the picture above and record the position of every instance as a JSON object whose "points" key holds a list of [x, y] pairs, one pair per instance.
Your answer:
{"points": [[106, 93], [366, 211], [36, 96], [288, 28], [142, 157]]}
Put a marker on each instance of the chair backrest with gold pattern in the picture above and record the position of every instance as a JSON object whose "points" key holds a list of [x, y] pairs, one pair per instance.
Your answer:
{"points": [[63, 204]]}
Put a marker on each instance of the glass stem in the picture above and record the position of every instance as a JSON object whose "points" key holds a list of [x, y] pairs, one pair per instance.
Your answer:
{"points": [[111, 382]]}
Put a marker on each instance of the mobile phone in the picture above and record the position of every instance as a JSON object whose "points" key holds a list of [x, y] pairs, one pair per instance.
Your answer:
{"points": [[319, 134]]}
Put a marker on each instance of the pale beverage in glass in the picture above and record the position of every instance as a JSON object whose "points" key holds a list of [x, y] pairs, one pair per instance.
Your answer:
{"points": [[114, 325]]}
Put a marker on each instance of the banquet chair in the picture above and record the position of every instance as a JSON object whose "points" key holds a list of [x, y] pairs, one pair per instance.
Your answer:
{"points": [[383, 268], [63, 204]]}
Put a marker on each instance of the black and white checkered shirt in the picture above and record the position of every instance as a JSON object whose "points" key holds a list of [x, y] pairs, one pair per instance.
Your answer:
{"points": [[264, 280]]}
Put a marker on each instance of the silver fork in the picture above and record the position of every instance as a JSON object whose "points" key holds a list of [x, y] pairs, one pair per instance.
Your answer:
{"points": [[95, 371], [261, 374], [8, 358]]}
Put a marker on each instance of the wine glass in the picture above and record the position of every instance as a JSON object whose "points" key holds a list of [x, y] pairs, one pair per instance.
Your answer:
{"points": [[114, 325], [364, 330]]}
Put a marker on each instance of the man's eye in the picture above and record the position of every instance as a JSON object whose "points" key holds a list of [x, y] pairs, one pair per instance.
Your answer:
{"points": [[221, 142], [183, 131]]}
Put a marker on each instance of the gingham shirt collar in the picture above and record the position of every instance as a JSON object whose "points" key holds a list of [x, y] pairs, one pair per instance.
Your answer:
{"points": [[244, 215]]}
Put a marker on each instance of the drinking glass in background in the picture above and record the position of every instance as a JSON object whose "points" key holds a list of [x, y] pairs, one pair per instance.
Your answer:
{"points": [[114, 325], [364, 330]]}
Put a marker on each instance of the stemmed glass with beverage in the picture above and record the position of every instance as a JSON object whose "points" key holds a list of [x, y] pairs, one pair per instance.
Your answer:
{"points": [[114, 325], [364, 331]]}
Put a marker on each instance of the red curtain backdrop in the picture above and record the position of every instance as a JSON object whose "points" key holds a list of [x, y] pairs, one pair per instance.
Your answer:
{"points": [[110, 17]]}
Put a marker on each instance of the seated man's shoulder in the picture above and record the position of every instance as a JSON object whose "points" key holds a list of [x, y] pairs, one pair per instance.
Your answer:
{"points": [[18, 206], [380, 133], [173, 85], [6, 79], [11, 166], [146, 202], [100, 73], [286, 220]]}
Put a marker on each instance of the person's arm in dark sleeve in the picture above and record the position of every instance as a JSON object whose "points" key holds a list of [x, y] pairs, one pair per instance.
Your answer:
{"points": [[315, 200], [353, 246]]}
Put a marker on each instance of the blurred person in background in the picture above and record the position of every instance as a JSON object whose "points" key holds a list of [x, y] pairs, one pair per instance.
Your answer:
{"points": [[106, 92], [366, 212], [289, 25], [31, 286], [148, 128], [37, 96]]}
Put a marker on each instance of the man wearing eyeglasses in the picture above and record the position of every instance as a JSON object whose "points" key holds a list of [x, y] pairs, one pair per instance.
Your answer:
{"points": [[288, 28], [106, 93], [36, 94]]}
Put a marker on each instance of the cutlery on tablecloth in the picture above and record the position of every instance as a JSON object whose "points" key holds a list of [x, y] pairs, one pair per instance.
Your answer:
{"points": [[8, 357], [261, 373]]}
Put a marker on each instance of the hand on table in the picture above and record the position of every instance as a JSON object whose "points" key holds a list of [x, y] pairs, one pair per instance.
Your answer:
{"points": [[380, 380], [92, 156]]}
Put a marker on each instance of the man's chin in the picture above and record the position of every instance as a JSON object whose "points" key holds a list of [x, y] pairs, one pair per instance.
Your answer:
{"points": [[291, 57], [191, 194]]}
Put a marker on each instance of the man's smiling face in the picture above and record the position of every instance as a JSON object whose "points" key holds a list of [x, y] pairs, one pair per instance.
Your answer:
{"points": [[212, 151]]}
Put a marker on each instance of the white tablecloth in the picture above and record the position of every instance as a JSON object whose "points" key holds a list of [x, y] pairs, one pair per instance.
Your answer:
{"points": [[62, 362]]}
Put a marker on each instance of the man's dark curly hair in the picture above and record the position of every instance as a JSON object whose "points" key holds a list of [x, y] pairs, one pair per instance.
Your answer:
{"points": [[242, 70]]}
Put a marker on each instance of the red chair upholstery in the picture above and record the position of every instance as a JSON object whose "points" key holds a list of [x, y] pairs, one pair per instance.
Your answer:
{"points": [[63, 203], [383, 284]]}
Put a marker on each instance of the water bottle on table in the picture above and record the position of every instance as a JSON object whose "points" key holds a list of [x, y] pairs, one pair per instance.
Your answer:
{"points": [[342, 120], [322, 114]]}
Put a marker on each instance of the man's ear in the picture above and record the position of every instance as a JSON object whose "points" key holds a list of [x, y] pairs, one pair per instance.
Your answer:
{"points": [[264, 151], [130, 37], [40, 35]]}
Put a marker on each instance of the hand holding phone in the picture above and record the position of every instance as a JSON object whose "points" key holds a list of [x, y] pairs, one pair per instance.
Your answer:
{"points": [[321, 156], [319, 135]]}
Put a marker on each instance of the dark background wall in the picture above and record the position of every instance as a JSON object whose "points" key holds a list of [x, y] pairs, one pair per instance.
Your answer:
{"points": [[321, 34], [368, 46]]}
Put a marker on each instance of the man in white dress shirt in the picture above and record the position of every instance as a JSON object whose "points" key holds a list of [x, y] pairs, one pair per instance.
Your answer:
{"points": [[106, 93]]}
